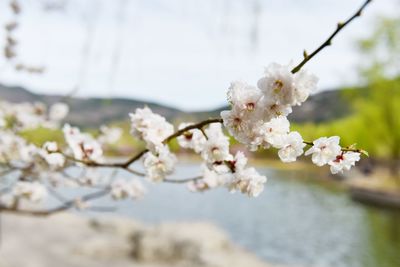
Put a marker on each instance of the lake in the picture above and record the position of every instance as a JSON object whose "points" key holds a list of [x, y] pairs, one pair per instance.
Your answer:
{"points": [[292, 222]]}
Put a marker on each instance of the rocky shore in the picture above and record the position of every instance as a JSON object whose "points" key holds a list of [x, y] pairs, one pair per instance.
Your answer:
{"points": [[66, 240]]}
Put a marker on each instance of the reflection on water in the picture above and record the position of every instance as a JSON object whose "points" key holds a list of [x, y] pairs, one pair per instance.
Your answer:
{"points": [[383, 238], [292, 222]]}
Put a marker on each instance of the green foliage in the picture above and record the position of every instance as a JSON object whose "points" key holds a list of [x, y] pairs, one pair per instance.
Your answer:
{"points": [[380, 110], [381, 50], [41, 135], [381, 113]]}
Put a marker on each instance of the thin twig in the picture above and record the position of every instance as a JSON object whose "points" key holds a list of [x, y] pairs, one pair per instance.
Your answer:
{"points": [[344, 149], [125, 165], [65, 206], [182, 181], [328, 41], [199, 125]]}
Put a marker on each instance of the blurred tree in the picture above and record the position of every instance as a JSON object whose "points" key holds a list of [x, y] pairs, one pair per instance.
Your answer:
{"points": [[381, 70], [381, 50]]}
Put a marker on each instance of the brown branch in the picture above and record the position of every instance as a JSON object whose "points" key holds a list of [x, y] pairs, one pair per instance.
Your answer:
{"points": [[344, 149], [199, 125], [130, 170], [182, 181], [134, 158], [125, 165], [65, 206], [328, 41]]}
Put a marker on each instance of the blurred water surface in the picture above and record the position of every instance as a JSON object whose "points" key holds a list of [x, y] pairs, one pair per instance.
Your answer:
{"points": [[294, 221]]}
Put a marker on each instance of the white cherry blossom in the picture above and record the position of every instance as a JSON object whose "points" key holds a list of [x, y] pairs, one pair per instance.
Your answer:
{"points": [[82, 145], [150, 127], [271, 109], [305, 84], [278, 84], [32, 191], [192, 139], [211, 179], [275, 131], [344, 161], [50, 146], [324, 150], [282, 87], [216, 147], [248, 181], [159, 165], [109, 135], [238, 123], [122, 189], [58, 111], [239, 162], [244, 97], [292, 147], [49, 153], [55, 160]]}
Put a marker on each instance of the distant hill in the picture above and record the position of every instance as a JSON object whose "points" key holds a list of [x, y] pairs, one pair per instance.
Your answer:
{"points": [[92, 112], [88, 112]]}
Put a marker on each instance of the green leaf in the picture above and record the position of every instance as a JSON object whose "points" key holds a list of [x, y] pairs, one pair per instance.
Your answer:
{"points": [[364, 152]]}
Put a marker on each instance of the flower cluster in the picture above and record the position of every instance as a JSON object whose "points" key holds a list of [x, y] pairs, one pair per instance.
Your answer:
{"points": [[220, 167], [109, 135], [122, 189], [258, 117], [233, 174], [38, 167], [258, 114], [159, 164], [32, 191], [328, 151], [28, 116], [82, 145], [192, 139], [22, 190], [150, 127]]}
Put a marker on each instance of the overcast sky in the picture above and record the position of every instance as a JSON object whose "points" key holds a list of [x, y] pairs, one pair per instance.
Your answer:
{"points": [[183, 53]]}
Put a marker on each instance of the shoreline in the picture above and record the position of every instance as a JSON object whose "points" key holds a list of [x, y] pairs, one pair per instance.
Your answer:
{"points": [[68, 239]]}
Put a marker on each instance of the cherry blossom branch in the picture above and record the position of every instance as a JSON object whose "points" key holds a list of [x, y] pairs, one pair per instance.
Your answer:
{"points": [[328, 41], [199, 126], [90, 163], [344, 149], [269, 127], [182, 181], [125, 165], [62, 199], [64, 206], [130, 170]]}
